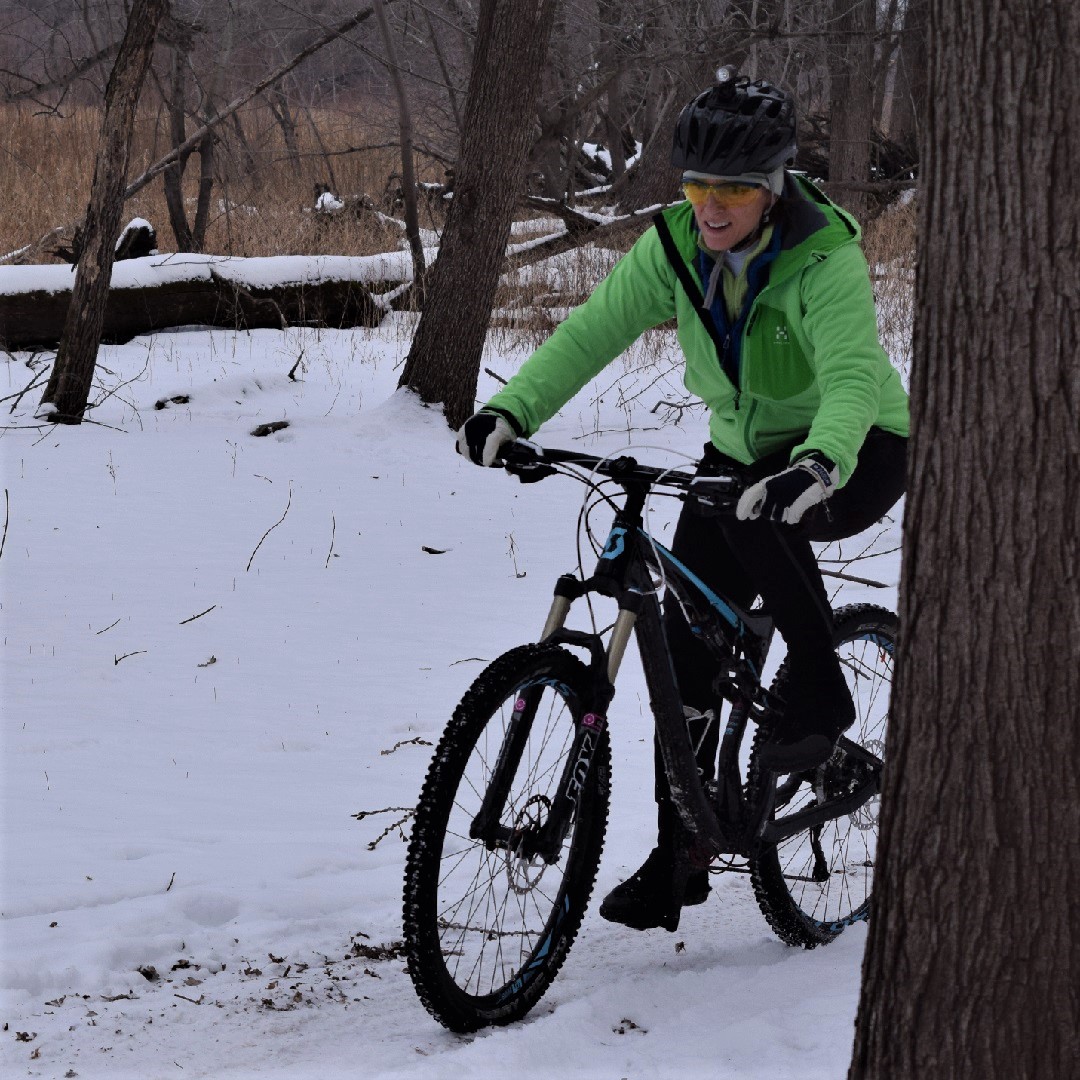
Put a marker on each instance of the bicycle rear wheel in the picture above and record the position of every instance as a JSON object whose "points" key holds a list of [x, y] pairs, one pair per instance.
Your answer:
{"points": [[812, 885], [487, 927]]}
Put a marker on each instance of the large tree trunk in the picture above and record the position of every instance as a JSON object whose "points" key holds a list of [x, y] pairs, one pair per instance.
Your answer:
{"points": [[852, 102], [909, 93], [971, 967], [444, 361], [68, 388]]}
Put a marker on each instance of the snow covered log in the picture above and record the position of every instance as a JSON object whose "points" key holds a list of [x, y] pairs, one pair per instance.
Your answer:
{"points": [[165, 291]]}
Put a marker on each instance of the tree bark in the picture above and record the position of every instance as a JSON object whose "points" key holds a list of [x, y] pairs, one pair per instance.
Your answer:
{"points": [[852, 95], [909, 92], [444, 361], [408, 168], [973, 954], [68, 388], [173, 178]]}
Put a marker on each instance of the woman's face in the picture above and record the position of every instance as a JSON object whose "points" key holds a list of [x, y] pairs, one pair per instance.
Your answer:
{"points": [[724, 226]]}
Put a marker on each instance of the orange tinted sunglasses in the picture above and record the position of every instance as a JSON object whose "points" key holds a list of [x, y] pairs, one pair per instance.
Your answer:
{"points": [[726, 194]]}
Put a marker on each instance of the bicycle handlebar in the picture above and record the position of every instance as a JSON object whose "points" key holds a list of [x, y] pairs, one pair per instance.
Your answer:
{"points": [[530, 463]]}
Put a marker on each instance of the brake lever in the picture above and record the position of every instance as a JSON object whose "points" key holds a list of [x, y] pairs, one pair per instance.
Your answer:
{"points": [[523, 460], [529, 472], [719, 494]]}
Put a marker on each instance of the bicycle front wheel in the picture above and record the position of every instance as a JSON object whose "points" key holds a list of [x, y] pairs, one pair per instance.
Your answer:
{"points": [[487, 921], [812, 885]]}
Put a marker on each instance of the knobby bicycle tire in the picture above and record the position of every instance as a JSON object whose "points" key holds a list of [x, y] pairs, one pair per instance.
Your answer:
{"points": [[486, 932], [814, 884]]}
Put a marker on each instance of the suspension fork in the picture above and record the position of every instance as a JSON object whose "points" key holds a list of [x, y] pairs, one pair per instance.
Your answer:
{"points": [[590, 729]]}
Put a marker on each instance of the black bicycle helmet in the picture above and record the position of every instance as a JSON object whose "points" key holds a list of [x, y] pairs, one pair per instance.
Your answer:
{"points": [[735, 127]]}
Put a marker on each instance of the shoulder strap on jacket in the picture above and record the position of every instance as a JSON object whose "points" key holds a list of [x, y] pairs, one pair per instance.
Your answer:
{"points": [[687, 280]]}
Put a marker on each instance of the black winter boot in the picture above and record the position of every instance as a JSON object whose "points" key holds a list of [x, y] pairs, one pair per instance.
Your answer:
{"points": [[818, 710], [645, 900]]}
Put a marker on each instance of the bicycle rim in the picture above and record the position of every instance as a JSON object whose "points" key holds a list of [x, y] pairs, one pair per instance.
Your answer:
{"points": [[487, 929], [815, 883]]}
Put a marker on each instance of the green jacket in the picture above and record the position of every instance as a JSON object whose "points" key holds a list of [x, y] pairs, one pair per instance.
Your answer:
{"points": [[811, 374]]}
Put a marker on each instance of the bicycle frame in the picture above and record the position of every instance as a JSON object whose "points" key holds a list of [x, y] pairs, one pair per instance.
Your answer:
{"points": [[714, 814], [739, 641]]}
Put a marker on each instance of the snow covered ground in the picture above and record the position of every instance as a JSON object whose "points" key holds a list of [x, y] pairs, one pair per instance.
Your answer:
{"points": [[219, 648]]}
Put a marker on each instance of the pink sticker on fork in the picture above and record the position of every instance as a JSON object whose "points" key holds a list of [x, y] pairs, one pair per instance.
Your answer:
{"points": [[592, 720], [519, 705]]}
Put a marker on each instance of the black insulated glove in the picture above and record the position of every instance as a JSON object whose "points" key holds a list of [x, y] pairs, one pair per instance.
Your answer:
{"points": [[785, 496], [482, 436]]}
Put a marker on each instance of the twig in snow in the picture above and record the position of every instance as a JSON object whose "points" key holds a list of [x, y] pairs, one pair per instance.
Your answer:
{"points": [[34, 383], [109, 627], [406, 812], [361, 814], [7, 518], [333, 533], [299, 364], [497, 378], [117, 659], [184, 622], [405, 742], [389, 829], [270, 530], [106, 393]]}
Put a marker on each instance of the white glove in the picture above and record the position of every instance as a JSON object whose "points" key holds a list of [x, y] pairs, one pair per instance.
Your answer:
{"points": [[482, 436], [786, 496]]}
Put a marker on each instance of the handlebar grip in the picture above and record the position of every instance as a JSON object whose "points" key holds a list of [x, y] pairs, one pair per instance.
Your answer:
{"points": [[525, 461]]}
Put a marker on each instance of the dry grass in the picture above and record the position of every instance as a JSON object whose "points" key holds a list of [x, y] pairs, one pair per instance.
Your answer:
{"points": [[261, 202], [889, 243], [264, 196]]}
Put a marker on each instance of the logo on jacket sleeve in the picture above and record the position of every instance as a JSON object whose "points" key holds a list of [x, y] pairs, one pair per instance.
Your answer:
{"points": [[781, 335]]}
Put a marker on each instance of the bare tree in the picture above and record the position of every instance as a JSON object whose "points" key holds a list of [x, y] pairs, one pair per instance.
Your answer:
{"points": [[852, 93], [68, 388], [444, 361], [408, 167], [720, 35], [973, 954], [909, 91]]}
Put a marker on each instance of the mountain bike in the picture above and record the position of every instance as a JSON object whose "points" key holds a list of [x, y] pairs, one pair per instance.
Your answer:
{"points": [[510, 824]]}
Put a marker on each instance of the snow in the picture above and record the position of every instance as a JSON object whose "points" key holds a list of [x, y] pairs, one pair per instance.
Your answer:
{"points": [[328, 203], [218, 649], [262, 272]]}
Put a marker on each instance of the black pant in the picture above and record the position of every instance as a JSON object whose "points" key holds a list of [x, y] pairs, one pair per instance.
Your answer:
{"points": [[746, 559]]}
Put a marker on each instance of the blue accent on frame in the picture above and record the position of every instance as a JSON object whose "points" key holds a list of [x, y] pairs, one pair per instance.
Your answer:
{"points": [[616, 544], [729, 616]]}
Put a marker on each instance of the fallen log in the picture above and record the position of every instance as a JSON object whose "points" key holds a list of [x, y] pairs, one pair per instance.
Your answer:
{"points": [[581, 228], [162, 292]]}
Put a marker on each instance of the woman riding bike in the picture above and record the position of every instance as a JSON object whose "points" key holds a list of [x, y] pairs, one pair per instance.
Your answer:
{"points": [[776, 321]]}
